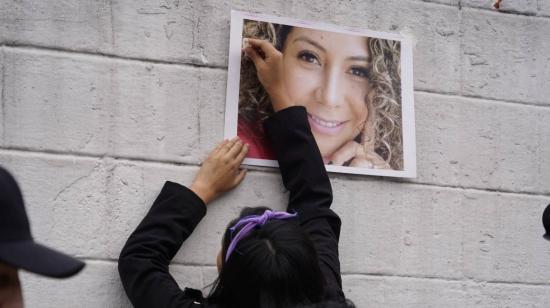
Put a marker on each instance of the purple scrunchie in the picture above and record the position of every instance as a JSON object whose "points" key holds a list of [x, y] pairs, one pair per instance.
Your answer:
{"points": [[249, 223]]}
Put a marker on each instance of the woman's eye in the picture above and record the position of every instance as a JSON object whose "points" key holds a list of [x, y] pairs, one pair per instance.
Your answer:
{"points": [[362, 72], [308, 57]]}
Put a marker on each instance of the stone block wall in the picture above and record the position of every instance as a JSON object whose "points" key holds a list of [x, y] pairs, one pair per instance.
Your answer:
{"points": [[104, 100]]}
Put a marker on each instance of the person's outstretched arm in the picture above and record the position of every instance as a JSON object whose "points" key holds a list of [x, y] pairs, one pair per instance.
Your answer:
{"points": [[301, 164], [302, 167], [143, 262]]}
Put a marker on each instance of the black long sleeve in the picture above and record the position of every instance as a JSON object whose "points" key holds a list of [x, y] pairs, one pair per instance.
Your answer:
{"points": [[304, 175], [143, 262]]}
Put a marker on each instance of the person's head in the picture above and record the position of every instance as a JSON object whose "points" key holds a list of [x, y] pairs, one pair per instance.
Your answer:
{"points": [[18, 249], [349, 85], [275, 265]]}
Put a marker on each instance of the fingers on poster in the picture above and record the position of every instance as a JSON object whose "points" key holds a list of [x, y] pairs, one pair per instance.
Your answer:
{"points": [[356, 85]]}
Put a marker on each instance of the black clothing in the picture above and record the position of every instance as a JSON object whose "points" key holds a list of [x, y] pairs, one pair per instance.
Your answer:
{"points": [[546, 221], [144, 260]]}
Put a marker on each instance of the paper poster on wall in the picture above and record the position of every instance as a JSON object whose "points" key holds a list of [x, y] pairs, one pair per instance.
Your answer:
{"points": [[356, 85]]}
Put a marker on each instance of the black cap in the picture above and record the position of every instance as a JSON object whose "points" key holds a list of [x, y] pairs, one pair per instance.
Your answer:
{"points": [[546, 222], [17, 248]]}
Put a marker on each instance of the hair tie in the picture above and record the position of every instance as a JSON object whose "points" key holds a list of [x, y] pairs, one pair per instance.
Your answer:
{"points": [[249, 223]]}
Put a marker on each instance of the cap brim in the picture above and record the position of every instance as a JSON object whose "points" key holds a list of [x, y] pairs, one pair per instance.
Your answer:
{"points": [[39, 259]]}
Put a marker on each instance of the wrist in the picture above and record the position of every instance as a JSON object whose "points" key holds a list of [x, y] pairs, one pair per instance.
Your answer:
{"points": [[203, 191], [280, 101]]}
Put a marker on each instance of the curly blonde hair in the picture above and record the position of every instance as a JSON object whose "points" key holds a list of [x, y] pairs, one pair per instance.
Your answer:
{"points": [[384, 131]]}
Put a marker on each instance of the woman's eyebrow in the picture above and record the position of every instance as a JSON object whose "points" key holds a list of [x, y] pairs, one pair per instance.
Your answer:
{"points": [[310, 41], [358, 58]]}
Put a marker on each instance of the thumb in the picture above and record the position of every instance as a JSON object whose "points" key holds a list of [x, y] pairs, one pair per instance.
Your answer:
{"points": [[240, 177]]}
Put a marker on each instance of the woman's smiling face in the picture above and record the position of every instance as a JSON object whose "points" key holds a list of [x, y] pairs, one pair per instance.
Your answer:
{"points": [[327, 73]]}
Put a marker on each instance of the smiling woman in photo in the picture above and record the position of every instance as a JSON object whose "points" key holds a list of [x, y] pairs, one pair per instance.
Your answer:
{"points": [[349, 84]]}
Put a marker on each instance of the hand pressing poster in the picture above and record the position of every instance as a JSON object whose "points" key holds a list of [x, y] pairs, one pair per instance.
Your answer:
{"points": [[355, 84]]}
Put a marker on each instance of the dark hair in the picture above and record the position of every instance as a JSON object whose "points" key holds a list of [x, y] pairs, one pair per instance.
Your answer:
{"points": [[282, 33], [276, 265]]}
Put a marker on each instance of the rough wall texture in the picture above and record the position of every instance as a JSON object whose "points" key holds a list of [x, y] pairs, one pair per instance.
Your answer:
{"points": [[103, 100]]}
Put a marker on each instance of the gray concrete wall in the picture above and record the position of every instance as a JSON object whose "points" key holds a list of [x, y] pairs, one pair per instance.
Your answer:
{"points": [[101, 101]]}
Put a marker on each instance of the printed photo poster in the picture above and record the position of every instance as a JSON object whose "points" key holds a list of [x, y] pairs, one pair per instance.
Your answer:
{"points": [[356, 85]]}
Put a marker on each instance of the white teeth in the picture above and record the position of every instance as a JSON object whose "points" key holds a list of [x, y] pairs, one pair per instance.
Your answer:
{"points": [[329, 124]]}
